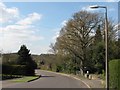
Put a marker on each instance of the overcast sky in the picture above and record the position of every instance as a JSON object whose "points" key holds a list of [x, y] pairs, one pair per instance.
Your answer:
{"points": [[37, 24]]}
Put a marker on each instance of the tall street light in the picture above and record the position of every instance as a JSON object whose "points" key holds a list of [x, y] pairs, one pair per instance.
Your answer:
{"points": [[106, 44]]}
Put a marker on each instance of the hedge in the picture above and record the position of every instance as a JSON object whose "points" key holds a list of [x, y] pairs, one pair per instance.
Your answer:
{"points": [[14, 69], [114, 69]]}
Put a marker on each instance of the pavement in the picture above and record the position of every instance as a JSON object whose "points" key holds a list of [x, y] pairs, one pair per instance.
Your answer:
{"points": [[93, 83], [48, 80]]}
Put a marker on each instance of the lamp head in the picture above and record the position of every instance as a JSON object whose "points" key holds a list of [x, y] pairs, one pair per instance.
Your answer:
{"points": [[95, 6]]}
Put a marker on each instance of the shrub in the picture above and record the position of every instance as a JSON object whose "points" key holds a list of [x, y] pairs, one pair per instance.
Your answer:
{"points": [[114, 67]]}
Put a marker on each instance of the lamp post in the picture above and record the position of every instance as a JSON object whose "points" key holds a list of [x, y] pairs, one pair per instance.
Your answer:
{"points": [[106, 44]]}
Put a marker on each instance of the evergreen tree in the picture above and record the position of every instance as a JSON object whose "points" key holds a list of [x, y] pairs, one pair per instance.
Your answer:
{"points": [[118, 48], [24, 55], [99, 51], [98, 36], [25, 59]]}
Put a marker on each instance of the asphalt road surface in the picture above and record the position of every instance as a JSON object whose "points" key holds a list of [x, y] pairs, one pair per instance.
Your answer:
{"points": [[50, 80]]}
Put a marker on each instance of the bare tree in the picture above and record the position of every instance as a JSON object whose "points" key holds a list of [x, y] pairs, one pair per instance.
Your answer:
{"points": [[76, 36]]}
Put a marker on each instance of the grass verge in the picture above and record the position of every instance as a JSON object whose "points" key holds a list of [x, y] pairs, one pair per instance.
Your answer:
{"points": [[7, 77], [26, 79]]}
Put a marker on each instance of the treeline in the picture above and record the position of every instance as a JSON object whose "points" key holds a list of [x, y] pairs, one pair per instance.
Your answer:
{"points": [[81, 44], [43, 61], [47, 62]]}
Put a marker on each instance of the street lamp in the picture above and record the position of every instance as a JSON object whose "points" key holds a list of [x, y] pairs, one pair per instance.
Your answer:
{"points": [[106, 44]]}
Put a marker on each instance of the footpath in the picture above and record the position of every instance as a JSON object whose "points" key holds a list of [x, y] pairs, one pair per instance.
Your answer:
{"points": [[95, 82]]}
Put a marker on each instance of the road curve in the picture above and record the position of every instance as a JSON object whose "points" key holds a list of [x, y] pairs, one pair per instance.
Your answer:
{"points": [[50, 80]]}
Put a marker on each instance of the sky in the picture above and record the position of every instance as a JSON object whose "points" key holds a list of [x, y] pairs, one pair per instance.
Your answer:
{"points": [[37, 24], [60, 0]]}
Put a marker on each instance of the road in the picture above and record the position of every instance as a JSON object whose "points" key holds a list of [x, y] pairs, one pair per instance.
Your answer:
{"points": [[50, 80]]}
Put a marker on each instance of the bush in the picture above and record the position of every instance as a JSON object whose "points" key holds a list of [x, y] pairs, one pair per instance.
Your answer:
{"points": [[59, 68], [114, 67]]}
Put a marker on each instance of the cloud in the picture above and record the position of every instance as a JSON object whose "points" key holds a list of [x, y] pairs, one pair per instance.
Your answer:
{"points": [[39, 48], [56, 36], [30, 19], [57, 31], [117, 27], [111, 0], [64, 23], [8, 14], [16, 35], [21, 31]]}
